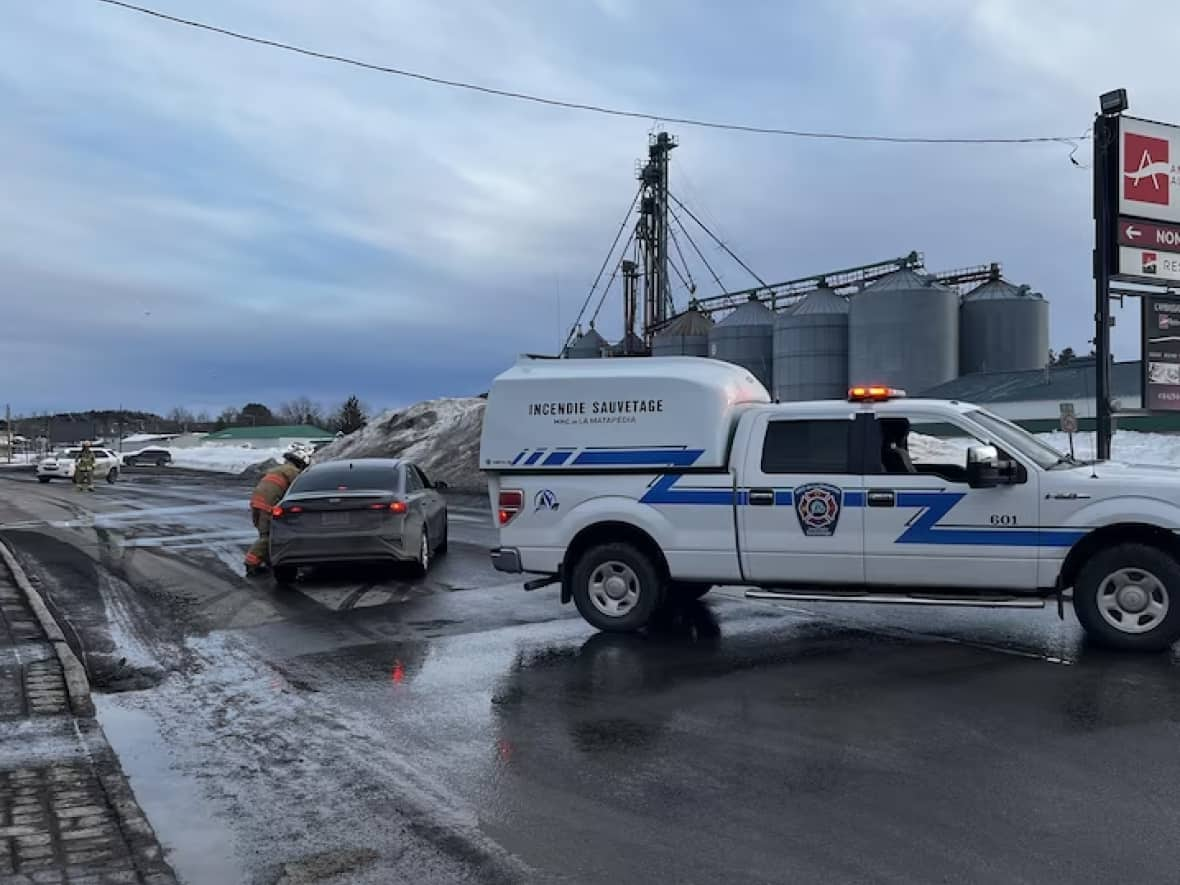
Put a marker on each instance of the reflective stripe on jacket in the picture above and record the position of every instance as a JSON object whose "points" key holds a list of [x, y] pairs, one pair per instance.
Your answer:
{"points": [[273, 486]]}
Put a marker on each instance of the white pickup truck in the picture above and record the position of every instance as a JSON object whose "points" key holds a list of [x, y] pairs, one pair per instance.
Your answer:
{"points": [[629, 481]]}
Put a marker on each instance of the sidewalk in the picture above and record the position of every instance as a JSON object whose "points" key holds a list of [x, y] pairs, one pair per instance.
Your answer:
{"points": [[67, 814]]}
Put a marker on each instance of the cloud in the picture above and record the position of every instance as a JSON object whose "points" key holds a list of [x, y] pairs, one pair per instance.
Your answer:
{"points": [[210, 221]]}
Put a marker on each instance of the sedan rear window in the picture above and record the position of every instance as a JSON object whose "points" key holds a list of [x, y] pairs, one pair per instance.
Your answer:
{"points": [[346, 476]]}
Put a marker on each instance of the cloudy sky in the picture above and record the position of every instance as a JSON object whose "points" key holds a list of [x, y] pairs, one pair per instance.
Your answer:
{"points": [[193, 221]]}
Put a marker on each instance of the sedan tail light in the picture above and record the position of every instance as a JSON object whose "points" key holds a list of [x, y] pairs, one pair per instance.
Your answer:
{"points": [[398, 507], [278, 512], [511, 503]]}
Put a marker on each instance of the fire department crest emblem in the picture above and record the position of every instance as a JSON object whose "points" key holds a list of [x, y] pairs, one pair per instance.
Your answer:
{"points": [[817, 505]]}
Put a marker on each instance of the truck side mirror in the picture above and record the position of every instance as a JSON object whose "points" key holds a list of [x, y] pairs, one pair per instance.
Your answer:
{"points": [[983, 467]]}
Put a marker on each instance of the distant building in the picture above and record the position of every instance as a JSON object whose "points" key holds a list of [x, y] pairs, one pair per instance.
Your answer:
{"points": [[269, 437], [1032, 397]]}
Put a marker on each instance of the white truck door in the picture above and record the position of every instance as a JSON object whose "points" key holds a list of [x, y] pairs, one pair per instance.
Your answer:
{"points": [[925, 527], [800, 514]]}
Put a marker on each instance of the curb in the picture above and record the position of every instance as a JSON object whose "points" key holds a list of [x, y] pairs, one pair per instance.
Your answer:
{"points": [[77, 685]]}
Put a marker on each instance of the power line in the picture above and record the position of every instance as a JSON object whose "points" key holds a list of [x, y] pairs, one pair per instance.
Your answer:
{"points": [[618, 234], [583, 106], [690, 283], [717, 240], [697, 249]]}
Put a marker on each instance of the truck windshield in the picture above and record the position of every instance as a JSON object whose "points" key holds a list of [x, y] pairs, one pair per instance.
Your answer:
{"points": [[1010, 436]]}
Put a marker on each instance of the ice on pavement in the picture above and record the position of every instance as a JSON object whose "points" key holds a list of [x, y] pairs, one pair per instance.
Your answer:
{"points": [[441, 436]]}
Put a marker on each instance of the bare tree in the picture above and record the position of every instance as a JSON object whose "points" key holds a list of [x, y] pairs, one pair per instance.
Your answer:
{"points": [[301, 410]]}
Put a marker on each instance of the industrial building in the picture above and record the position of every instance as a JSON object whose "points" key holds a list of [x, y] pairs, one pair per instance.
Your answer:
{"points": [[892, 322]]}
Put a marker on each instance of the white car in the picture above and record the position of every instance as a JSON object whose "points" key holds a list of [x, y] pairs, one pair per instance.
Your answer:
{"points": [[62, 464]]}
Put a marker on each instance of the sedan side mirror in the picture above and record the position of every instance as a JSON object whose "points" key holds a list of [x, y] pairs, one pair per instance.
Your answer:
{"points": [[440, 485]]}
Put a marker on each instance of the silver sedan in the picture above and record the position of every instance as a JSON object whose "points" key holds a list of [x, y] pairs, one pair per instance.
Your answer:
{"points": [[366, 510]]}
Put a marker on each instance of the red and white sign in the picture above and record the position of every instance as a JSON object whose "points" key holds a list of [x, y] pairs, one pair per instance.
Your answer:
{"points": [[1148, 264], [1145, 235], [1149, 160]]}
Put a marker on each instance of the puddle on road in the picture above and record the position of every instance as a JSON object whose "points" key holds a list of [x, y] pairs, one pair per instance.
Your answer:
{"points": [[199, 847]]}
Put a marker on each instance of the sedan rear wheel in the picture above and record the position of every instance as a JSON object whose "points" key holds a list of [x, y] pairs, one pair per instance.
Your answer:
{"points": [[422, 566]]}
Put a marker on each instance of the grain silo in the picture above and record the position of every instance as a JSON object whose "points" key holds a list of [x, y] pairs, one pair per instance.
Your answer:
{"points": [[588, 345], [687, 335], [903, 331], [1003, 328], [811, 348], [746, 338], [630, 345]]}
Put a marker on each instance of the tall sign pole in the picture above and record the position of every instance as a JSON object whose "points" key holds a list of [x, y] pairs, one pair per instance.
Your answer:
{"points": [[1106, 176]]}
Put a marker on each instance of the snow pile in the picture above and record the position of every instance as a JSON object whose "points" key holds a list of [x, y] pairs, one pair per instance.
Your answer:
{"points": [[441, 436], [219, 459], [1128, 446], [935, 449]]}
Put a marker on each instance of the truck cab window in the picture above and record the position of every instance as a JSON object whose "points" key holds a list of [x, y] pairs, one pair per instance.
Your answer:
{"points": [[807, 447], [924, 447]]}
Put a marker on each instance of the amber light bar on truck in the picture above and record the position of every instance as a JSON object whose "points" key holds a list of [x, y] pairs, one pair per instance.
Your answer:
{"points": [[872, 394]]}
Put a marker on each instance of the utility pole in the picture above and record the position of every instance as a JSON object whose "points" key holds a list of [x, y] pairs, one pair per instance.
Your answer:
{"points": [[8, 427], [652, 232]]}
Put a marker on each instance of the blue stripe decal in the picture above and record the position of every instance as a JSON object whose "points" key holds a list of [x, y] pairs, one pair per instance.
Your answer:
{"points": [[783, 498], [533, 459], [557, 458], [854, 499], [936, 505], [662, 492], [640, 458], [516, 460]]}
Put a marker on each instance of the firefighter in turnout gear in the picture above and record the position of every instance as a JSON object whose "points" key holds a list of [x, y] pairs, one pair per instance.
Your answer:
{"points": [[267, 494], [84, 469]]}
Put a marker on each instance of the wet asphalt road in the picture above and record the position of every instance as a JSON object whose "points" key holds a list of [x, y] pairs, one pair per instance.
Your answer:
{"points": [[372, 728]]}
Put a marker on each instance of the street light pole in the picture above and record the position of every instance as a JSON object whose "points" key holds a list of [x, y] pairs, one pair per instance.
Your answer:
{"points": [[1106, 177]]}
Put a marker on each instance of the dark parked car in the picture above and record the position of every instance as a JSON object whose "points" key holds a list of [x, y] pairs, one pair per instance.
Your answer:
{"points": [[157, 457], [367, 510]]}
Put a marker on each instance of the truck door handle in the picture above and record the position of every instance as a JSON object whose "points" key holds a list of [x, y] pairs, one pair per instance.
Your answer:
{"points": [[762, 497], [881, 498]]}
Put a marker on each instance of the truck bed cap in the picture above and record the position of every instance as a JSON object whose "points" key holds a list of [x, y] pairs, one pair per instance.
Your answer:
{"points": [[610, 414]]}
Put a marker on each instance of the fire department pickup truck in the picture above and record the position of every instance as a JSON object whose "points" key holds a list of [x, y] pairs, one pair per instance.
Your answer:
{"points": [[632, 481]]}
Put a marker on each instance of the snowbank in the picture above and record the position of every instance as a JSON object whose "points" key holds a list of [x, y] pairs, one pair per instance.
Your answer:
{"points": [[220, 459], [1128, 446], [441, 436]]}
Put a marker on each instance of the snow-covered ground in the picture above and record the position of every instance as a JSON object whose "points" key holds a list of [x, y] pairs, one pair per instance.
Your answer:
{"points": [[441, 436], [1128, 446]]}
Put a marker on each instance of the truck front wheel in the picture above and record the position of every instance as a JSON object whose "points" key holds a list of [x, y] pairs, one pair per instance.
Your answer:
{"points": [[1128, 597], [616, 587]]}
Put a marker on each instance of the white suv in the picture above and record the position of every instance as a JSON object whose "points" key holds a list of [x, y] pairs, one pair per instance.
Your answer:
{"points": [[62, 464]]}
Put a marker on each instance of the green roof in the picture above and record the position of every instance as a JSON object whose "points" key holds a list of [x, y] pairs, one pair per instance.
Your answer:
{"points": [[272, 431], [1072, 381]]}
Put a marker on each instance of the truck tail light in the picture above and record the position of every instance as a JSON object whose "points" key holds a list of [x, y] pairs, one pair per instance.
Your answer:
{"points": [[511, 503]]}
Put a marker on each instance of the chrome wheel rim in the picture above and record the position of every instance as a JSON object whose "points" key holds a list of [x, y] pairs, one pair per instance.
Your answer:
{"points": [[614, 588], [1133, 600]]}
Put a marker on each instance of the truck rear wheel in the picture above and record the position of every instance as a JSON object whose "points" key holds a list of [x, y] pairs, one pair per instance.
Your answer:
{"points": [[1128, 597], [616, 587]]}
